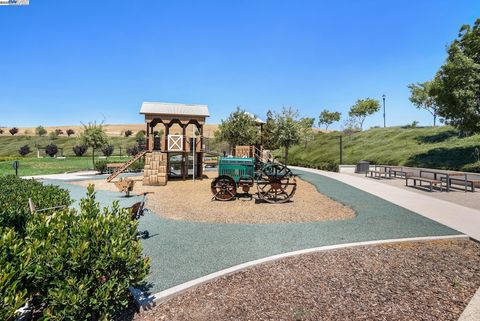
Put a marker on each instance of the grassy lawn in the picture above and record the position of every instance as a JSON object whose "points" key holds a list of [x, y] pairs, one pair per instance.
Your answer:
{"points": [[435, 147], [38, 166]]}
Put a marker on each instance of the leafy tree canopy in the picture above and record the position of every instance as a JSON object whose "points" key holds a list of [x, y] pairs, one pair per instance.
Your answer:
{"points": [[456, 86], [269, 136], [328, 117], [40, 131], [364, 108], [288, 129], [421, 97], [306, 131], [240, 128], [94, 136]]}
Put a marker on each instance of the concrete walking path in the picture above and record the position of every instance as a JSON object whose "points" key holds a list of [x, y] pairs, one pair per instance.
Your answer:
{"points": [[460, 218]]}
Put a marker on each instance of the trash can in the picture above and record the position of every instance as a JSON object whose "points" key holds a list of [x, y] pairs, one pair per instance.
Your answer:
{"points": [[362, 167]]}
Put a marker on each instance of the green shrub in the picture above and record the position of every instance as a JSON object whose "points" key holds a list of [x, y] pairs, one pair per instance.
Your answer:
{"points": [[14, 194], [83, 263], [14, 263], [473, 167], [7, 158], [101, 166], [137, 166]]}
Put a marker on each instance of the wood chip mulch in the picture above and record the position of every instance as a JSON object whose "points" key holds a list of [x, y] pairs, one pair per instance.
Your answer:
{"points": [[188, 201], [402, 281]]}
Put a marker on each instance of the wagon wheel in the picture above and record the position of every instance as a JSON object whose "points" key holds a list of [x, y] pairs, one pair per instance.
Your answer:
{"points": [[276, 184], [224, 188]]}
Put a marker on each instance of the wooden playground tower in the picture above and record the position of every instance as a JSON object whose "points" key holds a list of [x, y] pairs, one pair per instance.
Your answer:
{"points": [[182, 139]]}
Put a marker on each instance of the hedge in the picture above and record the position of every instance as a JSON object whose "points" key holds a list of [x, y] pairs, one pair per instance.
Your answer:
{"points": [[14, 195], [71, 265]]}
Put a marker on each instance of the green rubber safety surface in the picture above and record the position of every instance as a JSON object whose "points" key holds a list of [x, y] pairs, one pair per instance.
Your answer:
{"points": [[181, 251]]}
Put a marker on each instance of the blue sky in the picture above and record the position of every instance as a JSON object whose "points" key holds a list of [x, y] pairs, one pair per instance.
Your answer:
{"points": [[66, 62]]}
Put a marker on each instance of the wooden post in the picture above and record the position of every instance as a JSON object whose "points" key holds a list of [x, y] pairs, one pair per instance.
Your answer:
{"points": [[184, 154], [200, 154], [149, 138], [167, 132]]}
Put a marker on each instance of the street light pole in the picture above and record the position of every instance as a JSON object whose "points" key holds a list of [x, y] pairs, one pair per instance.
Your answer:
{"points": [[384, 121]]}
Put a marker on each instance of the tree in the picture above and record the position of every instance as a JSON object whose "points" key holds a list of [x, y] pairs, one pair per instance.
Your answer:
{"points": [[240, 128], [140, 138], [94, 136], [328, 117], [456, 86], [108, 150], [13, 131], [70, 132], [40, 131], [128, 133], [51, 150], [53, 135], [58, 131], [306, 130], [79, 150], [24, 150], [134, 150], [269, 138], [421, 96], [1, 131], [350, 126], [287, 129], [364, 108]]}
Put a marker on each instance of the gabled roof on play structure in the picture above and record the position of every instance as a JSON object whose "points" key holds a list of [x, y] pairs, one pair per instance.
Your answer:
{"points": [[174, 109]]}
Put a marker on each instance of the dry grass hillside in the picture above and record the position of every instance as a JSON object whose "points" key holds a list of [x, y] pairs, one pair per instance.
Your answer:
{"points": [[112, 130]]}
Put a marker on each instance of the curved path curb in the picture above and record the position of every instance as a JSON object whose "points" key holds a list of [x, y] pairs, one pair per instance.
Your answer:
{"points": [[147, 301]]}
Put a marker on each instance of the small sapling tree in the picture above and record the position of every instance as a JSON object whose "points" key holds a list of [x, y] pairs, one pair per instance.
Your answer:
{"points": [[40, 131], [79, 150], [288, 129], [13, 131], [364, 108], [24, 150], [108, 150], [94, 136], [328, 117], [51, 150]]}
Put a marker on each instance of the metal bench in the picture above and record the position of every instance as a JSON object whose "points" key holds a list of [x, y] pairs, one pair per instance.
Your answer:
{"points": [[430, 182], [377, 174], [400, 173], [463, 182]]}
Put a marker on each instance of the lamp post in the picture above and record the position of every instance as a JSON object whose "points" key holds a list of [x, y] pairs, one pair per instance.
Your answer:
{"points": [[384, 121]]}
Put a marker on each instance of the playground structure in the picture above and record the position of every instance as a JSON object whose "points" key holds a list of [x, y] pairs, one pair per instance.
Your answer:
{"points": [[180, 152]]}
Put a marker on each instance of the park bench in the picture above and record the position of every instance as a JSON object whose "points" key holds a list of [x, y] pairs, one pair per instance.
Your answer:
{"points": [[210, 162], [377, 174], [113, 166], [463, 182], [400, 173], [430, 182]]}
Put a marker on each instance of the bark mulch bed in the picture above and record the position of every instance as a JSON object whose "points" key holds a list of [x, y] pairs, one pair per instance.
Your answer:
{"points": [[185, 200], [402, 281]]}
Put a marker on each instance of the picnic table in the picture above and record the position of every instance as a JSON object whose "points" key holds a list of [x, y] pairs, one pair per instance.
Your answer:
{"points": [[448, 177], [390, 170]]}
